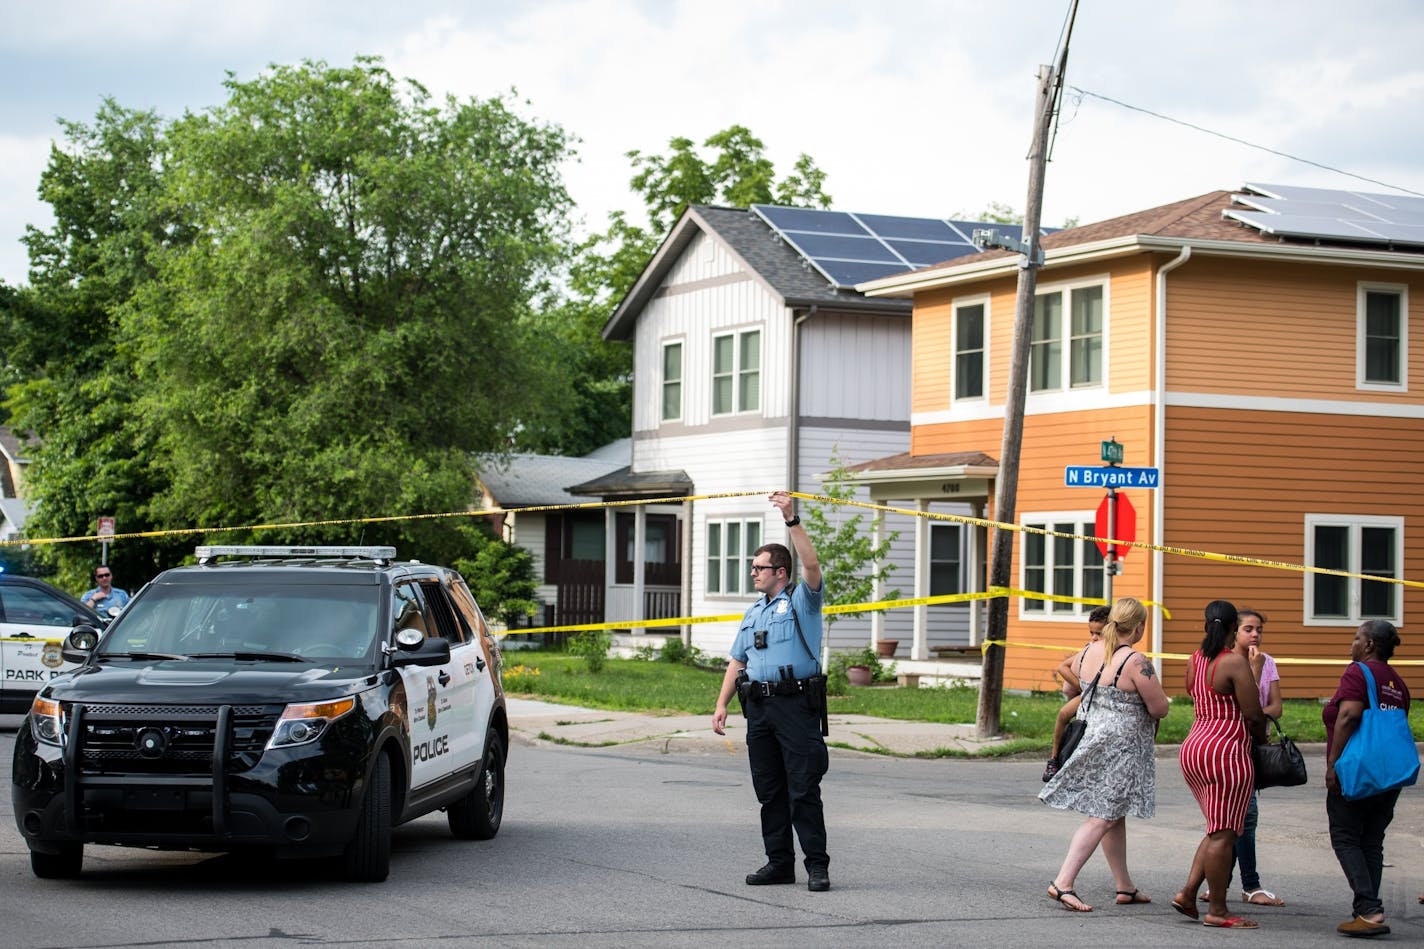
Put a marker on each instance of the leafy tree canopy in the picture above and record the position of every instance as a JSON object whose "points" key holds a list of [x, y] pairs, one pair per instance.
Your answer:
{"points": [[311, 302]]}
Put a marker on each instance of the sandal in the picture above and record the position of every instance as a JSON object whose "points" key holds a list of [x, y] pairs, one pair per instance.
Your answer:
{"points": [[1261, 898], [1186, 909], [1231, 922], [1055, 893], [1132, 897]]}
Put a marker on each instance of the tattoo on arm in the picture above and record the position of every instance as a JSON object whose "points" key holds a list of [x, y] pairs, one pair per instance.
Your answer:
{"points": [[1147, 670]]}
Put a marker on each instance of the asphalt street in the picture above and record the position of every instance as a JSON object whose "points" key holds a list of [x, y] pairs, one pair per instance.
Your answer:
{"points": [[646, 843]]}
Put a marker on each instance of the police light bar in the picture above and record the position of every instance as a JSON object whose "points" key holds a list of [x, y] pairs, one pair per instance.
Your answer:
{"points": [[208, 552]]}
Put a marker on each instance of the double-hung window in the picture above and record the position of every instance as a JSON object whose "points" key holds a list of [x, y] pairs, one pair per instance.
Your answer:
{"points": [[1382, 343], [1066, 564], [730, 545], [1364, 546], [969, 320], [672, 381], [736, 372], [946, 559], [1067, 346]]}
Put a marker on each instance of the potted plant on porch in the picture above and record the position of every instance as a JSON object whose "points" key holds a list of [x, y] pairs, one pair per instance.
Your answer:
{"points": [[858, 667]]}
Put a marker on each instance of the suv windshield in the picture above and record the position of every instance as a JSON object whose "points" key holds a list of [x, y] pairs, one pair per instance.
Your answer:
{"points": [[307, 620]]}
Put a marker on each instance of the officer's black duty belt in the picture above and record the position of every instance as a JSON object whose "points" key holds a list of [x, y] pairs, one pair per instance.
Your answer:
{"points": [[763, 690]]}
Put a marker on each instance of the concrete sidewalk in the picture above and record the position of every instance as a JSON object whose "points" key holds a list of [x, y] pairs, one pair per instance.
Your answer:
{"points": [[533, 722]]}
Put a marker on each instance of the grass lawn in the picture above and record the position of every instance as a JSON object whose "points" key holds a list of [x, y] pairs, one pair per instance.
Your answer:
{"points": [[660, 687]]}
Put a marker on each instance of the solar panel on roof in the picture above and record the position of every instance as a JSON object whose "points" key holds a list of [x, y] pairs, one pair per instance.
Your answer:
{"points": [[848, 249], [1329, 214]]}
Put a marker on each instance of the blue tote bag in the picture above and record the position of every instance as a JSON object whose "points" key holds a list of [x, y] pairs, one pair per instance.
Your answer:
{"points": [[1380, 755]]}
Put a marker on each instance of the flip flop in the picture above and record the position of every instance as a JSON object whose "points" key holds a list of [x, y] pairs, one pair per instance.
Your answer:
{"points": [[1232, 922], [1186, 909], [1267, 898], [1132, 897], [1054, 893]]}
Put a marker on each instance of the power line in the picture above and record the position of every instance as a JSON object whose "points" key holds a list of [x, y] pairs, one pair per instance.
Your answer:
{"points": [[1242, 141]]}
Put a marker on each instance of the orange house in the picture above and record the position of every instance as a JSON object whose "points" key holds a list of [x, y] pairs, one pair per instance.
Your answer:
{"points": [[1253, 349]]}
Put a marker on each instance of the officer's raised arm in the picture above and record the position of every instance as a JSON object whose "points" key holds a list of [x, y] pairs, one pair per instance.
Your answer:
{"points": [[805, 550]]}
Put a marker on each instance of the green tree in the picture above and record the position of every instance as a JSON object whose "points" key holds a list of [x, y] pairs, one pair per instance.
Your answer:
{"points": [[997, 212], [71, 376], [851, 563], [355, 322], [311, 302], [500, 575], [734, 171]]}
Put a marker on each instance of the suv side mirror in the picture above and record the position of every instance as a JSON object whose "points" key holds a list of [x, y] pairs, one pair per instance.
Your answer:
{"points": [[427, 652], [79, 643]]}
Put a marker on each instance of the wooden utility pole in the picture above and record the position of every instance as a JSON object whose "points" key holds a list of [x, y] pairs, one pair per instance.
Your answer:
{"points": [[1006, 485]]}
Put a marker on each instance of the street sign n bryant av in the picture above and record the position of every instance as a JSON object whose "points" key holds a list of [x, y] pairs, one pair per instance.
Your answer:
{"points": [[1094, 476]]}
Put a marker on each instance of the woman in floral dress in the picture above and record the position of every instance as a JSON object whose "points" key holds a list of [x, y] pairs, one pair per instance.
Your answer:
{"points": [[1113, 773]]}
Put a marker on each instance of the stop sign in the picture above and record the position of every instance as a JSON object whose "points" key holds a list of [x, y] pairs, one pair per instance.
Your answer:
{"points": [[1126, 525]]}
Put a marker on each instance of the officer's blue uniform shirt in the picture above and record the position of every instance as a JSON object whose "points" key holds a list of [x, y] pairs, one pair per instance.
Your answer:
{"points": [[783, 646], [116, 597]]}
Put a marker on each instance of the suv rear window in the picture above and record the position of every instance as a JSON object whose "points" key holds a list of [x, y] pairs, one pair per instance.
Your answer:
{"points": [[335, 620]]}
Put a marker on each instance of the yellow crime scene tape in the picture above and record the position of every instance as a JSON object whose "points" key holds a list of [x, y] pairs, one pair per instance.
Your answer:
{"points": [[992, 593]]}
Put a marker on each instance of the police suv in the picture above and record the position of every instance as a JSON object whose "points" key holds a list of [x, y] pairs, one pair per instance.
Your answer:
{"points": [[34, 619], [297, 701]]}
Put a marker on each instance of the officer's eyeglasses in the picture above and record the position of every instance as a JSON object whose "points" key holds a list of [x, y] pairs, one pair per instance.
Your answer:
{"points": [[759, 567], [102, 576]]}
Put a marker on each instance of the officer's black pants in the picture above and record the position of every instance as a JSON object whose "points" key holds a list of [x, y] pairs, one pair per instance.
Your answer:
{"points": [[788, 758]]}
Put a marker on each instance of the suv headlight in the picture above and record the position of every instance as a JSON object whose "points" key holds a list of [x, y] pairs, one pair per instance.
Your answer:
{"points": [[46, 721], [307, 722]]}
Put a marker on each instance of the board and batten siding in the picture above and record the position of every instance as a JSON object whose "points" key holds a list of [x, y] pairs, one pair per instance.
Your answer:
{"points": [[855, 366]]}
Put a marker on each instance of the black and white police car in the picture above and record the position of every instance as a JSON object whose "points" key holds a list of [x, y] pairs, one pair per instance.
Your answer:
{"points": [[297, 701], [34, 619]]}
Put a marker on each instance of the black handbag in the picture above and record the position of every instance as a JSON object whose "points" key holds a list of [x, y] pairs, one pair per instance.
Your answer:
{"points": [[1278, 765], [1073, 732]]}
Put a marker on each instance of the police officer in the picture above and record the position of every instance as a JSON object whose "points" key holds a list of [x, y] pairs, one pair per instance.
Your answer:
{"points": [[783, 696], [104, 596]]}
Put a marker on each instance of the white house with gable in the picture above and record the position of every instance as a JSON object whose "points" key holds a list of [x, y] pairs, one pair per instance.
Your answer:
{"points": [[754, 361]]}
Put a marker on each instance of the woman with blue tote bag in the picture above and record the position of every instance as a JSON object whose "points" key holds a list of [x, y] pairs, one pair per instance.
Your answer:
{"points": [[1358, 818]]}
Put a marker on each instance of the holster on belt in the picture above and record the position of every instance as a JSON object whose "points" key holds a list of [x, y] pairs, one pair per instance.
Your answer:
{"points": [[744, 690], [816, 692]]}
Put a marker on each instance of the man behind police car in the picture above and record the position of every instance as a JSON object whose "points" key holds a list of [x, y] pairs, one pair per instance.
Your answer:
{"points": [[783, 697]]}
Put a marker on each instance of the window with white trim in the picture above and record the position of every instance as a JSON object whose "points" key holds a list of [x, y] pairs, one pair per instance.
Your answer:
{"points": [[672, 381], [946, 559], [969, 351], [736, 372], [1382, 341], [730, 546], [1067, 564], [1363, 546], [1069, 349]]}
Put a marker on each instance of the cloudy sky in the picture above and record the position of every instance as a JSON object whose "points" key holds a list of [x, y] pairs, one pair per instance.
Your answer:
{"points": [[910, 106]]}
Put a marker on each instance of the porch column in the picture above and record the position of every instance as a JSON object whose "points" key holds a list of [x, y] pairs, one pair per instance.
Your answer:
{"points": [[919, 649], [610, 550], [640, 547], [974, 561], [877, 587]]}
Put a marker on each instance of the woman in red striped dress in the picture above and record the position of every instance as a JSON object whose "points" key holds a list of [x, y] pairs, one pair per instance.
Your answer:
{"points": [[1216, 760]]}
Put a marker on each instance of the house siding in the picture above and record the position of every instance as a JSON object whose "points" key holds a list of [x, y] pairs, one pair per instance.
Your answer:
{"points": [[1264, 424]]}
